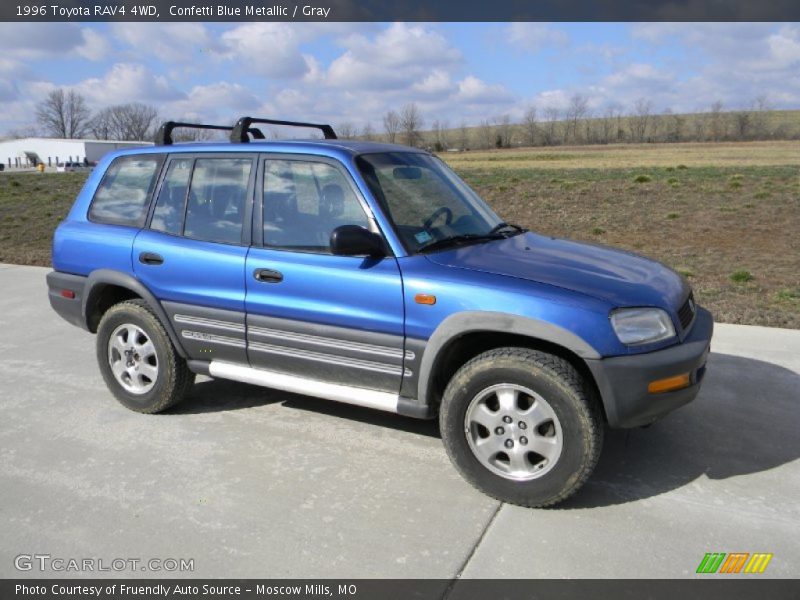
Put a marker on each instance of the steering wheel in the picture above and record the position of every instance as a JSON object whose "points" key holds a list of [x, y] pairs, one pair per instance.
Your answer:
{"points": [[442, 210]]}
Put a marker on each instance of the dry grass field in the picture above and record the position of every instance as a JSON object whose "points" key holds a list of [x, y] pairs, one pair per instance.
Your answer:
{"points": [[726, 215]]}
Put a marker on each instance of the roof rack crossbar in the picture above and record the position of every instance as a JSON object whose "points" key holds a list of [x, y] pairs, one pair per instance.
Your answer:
{"points": [[238, 134], [164, 135]]}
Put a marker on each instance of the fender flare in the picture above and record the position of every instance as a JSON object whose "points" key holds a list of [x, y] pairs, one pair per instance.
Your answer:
{"points": [[101, 277], [467, 322]]}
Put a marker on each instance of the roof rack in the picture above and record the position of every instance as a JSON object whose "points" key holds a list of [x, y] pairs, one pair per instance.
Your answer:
{"points": [[164, 135], [239, 135]]}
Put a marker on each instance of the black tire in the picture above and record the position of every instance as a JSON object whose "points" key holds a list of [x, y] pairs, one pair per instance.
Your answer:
{"points": [[566, 395], [172, 378]]}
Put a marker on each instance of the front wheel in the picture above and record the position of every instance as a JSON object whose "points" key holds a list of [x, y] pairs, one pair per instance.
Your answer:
{"points": [[521, 426], [138, 361]]}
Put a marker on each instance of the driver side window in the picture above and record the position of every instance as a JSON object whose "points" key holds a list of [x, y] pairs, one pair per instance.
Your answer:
{"points": [[304, 201]]}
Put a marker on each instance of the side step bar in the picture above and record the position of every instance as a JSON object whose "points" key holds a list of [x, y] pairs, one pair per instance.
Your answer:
{"points": [[309, 387]]}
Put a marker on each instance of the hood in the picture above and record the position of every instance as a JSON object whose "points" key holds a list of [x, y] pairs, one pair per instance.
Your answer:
{"points": [[616, 276]]}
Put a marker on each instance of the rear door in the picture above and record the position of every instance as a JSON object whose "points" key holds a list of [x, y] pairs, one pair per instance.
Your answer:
{"points": [[337, 319], [192, 254]]}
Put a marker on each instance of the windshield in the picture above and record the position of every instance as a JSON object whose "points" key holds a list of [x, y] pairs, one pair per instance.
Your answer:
{"points": [[428, 204]]}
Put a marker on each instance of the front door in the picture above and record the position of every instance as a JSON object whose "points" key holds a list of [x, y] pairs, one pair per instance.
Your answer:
{"points": [[337, 319]]}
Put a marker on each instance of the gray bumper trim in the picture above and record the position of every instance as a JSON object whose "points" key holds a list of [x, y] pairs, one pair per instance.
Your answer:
{"points": [[70, 309], [623, 380]]}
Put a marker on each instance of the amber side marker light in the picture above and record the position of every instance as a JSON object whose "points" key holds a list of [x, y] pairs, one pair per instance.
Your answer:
{"points": [[669, 384], [425, 299]]}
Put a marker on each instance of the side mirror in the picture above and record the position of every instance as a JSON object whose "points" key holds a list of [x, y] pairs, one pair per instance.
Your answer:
{"points": [[352, 240]]}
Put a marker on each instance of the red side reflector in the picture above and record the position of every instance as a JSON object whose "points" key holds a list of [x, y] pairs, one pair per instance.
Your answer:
{"points": [[68, 294]]}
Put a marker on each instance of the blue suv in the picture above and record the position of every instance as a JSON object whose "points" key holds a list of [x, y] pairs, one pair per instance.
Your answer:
{"points": [[369, 273]]}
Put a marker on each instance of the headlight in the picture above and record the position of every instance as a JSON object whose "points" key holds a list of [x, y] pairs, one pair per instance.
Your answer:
{"points": [[635, 326]]}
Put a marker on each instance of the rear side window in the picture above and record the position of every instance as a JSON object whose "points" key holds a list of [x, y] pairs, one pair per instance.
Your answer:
{"points": [[217, 197], [123, 196]]}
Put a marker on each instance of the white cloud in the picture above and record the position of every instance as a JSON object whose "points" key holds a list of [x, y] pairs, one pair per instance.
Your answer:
{"points": [[472, 90], [217, 102], [437, 83], [533, 37], [784, 47], [33, 41], [169, 42], [270, 49], [128, 82], [557, 98], [396, 58], [94, 47]]}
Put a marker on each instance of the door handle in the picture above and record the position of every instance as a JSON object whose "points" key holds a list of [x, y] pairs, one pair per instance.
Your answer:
{"points": [[268, 276], [151, 258]]}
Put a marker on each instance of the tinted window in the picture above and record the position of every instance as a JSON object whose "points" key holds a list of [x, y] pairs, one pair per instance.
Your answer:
{"points": [[168, 215], [123, 195], [216, 202], [304, 202]]}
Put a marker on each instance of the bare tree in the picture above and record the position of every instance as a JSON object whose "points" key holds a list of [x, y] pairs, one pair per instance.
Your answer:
{"points": [[63, 114], [716, 122], [551, 115], [441, 139], [761, 107], [131, 122], [391, 124], [368, 133], [411, 123], [529, 126], [101, 126], [504, 133], [742, 122], [24, 131], [486, 131], [674, 125], [608, 124], [576, 111], [699, 123], [640, 119], [346, 130], [463, 136], [202, 135]]}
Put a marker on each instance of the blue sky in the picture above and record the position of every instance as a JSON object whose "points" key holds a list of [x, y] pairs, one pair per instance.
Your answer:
{"points": [[354, 73]]}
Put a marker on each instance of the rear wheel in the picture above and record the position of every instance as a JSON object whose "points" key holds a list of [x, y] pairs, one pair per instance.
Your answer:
{"points": [[138, 361], [522, 426]]}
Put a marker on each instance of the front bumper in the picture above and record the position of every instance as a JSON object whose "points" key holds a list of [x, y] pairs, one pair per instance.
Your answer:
{"points": [[623, 380]]}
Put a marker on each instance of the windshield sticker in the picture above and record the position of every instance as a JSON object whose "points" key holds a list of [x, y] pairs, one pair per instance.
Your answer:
{"points": [[422, 237]]}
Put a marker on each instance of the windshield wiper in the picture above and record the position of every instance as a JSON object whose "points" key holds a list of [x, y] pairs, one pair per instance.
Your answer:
{"points": [[495, 233], [464, 238], [503, 225]]}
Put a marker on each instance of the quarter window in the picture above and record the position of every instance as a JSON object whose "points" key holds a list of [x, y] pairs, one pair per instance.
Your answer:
{"points": [[124, 194], [304, 202], [168, 215]]}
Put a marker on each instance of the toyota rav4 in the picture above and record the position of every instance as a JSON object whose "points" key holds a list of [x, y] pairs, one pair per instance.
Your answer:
{"points": [[369, 273]]}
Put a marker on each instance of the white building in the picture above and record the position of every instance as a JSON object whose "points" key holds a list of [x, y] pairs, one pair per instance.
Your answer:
{"points": [[29, 152]]}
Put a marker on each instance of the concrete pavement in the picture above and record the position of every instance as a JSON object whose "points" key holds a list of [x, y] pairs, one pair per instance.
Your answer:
{"points": [[250, 482]]}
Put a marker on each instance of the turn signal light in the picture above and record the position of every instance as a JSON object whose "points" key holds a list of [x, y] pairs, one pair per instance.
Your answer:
{"points": [[425, 299], [669, 384]]}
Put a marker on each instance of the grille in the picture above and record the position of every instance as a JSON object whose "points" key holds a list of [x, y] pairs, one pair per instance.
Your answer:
{"points": [[686, 312]]}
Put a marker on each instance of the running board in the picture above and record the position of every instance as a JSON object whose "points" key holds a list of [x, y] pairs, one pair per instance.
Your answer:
{"points": [[309, 387]]}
